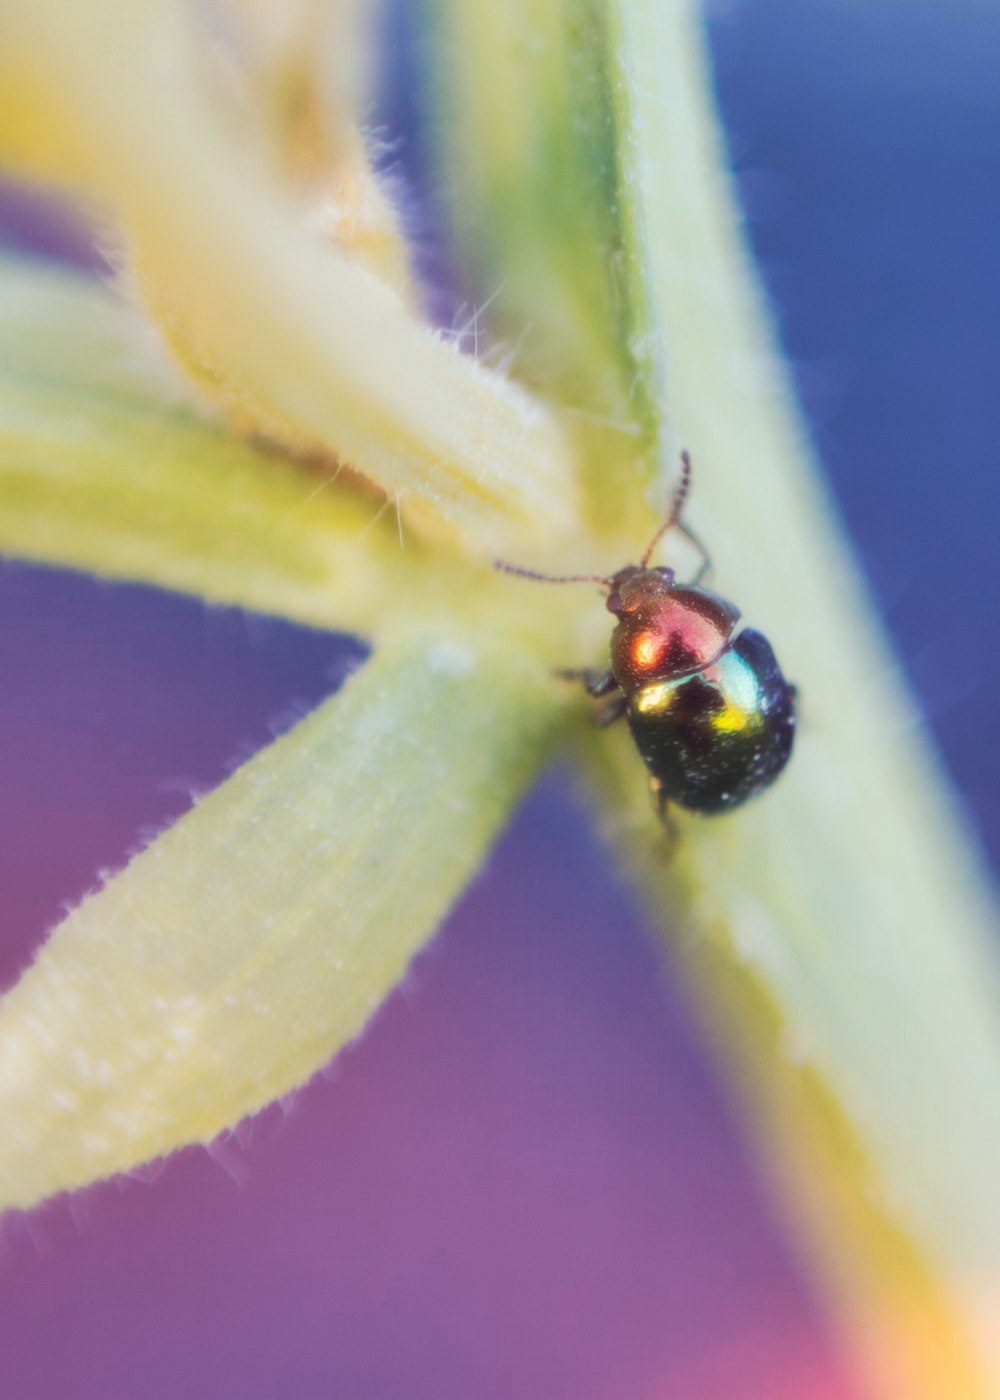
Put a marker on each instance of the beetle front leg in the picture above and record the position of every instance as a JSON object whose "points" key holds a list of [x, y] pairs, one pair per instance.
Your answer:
{"points": [[613, 710], [599, 684], [596, 683]]}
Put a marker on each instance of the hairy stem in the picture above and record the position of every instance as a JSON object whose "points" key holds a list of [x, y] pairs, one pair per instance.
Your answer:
{"points": [[837, 934], [841, 935]]}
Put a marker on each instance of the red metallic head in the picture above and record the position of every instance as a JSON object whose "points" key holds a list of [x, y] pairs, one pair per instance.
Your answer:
{"points": [[665, 630]]}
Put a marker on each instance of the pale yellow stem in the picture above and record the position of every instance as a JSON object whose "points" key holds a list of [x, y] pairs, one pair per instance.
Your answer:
{"points": [[841, 932]]}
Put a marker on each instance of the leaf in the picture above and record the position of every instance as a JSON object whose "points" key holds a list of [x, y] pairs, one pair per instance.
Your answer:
{"points": [[305, 71], [839, 935], [292, 337], [257, 936], [99, 471], [539, 165]]}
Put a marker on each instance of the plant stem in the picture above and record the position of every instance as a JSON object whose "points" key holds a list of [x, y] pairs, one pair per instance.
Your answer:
{"points": [[837, 935], [840, 936]]}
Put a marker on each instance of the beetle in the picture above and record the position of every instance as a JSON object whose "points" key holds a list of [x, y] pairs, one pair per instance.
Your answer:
{"points": [[708, 706]]}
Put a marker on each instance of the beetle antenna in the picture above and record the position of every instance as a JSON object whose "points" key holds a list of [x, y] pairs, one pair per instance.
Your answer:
{"points": [[548, 578], [676, 507]]}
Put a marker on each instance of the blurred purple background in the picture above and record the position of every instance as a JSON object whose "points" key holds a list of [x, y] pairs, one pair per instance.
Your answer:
{"points": [[524, 1181]]}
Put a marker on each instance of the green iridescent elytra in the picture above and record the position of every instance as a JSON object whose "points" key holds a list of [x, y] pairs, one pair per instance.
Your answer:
{"points": [[713, 739]]}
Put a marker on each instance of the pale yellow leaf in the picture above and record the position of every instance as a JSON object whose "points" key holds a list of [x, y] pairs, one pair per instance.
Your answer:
{"points": [[539, 167], [291, 336], [256, 937], [100, 471]]}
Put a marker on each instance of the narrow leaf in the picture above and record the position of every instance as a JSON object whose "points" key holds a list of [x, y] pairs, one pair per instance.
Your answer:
{"points": [[257, 936], [306, 71], [531, 111], [294, 338], [99, 471]]}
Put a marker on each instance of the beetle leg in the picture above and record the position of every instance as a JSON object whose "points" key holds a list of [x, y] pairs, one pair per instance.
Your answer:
{"points": [[660, 801], [599, 683], [706, 558], [613, 710], [596, 683]]}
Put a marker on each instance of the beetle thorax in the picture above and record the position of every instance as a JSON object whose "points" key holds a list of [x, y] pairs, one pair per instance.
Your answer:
{"points": [[665, 630]]}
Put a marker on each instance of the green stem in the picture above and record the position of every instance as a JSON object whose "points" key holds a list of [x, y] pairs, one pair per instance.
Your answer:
{"points": [[838, 935], [846, 952]]}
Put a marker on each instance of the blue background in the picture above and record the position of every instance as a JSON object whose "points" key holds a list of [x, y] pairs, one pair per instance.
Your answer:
{"points": [[524, 1182]]}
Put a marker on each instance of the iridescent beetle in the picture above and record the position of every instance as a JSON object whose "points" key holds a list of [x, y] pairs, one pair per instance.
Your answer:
{"points": [[709, 710]]}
